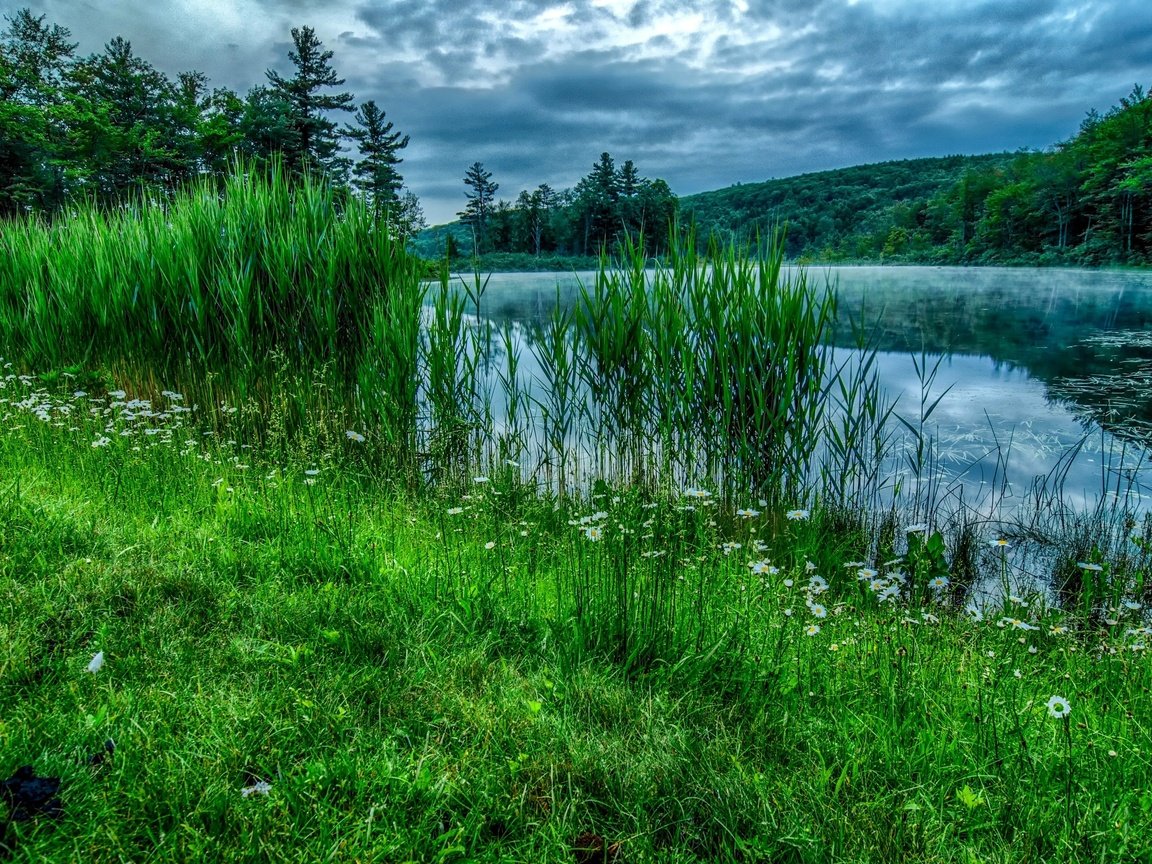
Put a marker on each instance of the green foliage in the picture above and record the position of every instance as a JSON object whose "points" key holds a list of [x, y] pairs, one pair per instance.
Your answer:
{"points": [[312, 142], [110, 127], [1087, 200], [376, 175], [608, 207], [481, 200], [863, 212]]}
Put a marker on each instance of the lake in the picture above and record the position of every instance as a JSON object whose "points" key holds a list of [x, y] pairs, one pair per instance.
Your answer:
{"points": [[1043, 372]]}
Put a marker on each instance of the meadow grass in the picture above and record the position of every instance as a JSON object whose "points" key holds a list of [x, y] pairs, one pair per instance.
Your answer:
{"points": [[280, 580], [492, 674]]}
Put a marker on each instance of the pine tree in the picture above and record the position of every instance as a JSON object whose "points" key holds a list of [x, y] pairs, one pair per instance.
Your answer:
{"points": [[480, 202], [120, 133], [313, 144], [375, 175]]}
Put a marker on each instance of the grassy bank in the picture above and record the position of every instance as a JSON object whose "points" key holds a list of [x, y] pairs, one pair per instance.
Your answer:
{"points": [[484, 677], [295, 565]]}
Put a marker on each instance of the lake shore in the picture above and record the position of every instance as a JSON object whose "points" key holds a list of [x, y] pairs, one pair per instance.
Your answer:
{"points": [[295, 652]]}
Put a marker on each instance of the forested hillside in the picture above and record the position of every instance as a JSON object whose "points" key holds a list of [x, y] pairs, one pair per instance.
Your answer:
{"points": [[840, 213], [1087, 200]]}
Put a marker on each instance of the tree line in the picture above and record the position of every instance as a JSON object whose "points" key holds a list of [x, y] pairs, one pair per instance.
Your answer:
{"points": [[606, 205], [1086, 200], [107, 126]]}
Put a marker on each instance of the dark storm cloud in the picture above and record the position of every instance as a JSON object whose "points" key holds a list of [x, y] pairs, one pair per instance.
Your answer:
{"points": [[746, 90]]}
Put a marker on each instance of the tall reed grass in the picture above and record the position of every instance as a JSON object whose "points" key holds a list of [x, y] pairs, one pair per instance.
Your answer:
{"points": [[710, 368]]}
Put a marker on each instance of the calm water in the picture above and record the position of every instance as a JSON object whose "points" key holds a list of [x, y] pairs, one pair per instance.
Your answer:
{"points": [[1045, 370]]}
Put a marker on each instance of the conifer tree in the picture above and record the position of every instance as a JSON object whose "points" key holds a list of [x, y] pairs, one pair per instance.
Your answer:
{"points": [[480, 202], [375, 175], [314, 143]]}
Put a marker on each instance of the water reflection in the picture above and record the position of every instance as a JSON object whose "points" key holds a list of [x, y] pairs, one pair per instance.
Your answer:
{"points": [[1038, 365]]}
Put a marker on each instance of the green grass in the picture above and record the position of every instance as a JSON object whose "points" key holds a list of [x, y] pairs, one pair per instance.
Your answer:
{"points": [[664, 605], [411, 694]]}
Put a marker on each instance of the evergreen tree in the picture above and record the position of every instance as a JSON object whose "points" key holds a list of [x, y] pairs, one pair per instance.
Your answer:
{"points": [[266, 126], [481, 199], [534, 208], [121, 122], [375, 175], [406, 217], [313, 143], [34, 61], [221, 131]]}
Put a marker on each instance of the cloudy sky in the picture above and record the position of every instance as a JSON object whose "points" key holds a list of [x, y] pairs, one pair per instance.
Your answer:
{"points": [[704, 93]]}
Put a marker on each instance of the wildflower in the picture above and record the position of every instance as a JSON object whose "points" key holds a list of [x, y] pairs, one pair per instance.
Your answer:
{"points": [[593, 533], [1131, 604], [1095, 568], [939, 583], [817, 610], [455, 511], [491, 544], [929, 618], [763, 568], [96, 663], [787, 613], [1059, 708], [729, 547], [511, 463], [809, 567], [788, 583], [697, 493], [892, 592], [746, 513], [796, 515], [812, 629], [833, 647], [311, 472], [1058, 629], [102, 441], [918, 528], [1017, 673], [865, 574], [355, 436], [117, 394], [817, 584], [1000, 543], [480, 479], [260, 787]]}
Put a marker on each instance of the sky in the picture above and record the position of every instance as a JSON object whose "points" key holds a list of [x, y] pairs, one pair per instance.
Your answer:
{"points": [[703, 93]]}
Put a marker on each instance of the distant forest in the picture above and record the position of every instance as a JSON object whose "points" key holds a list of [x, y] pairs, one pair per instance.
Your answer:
{"points": [[607, 204], [1087, 200]]}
